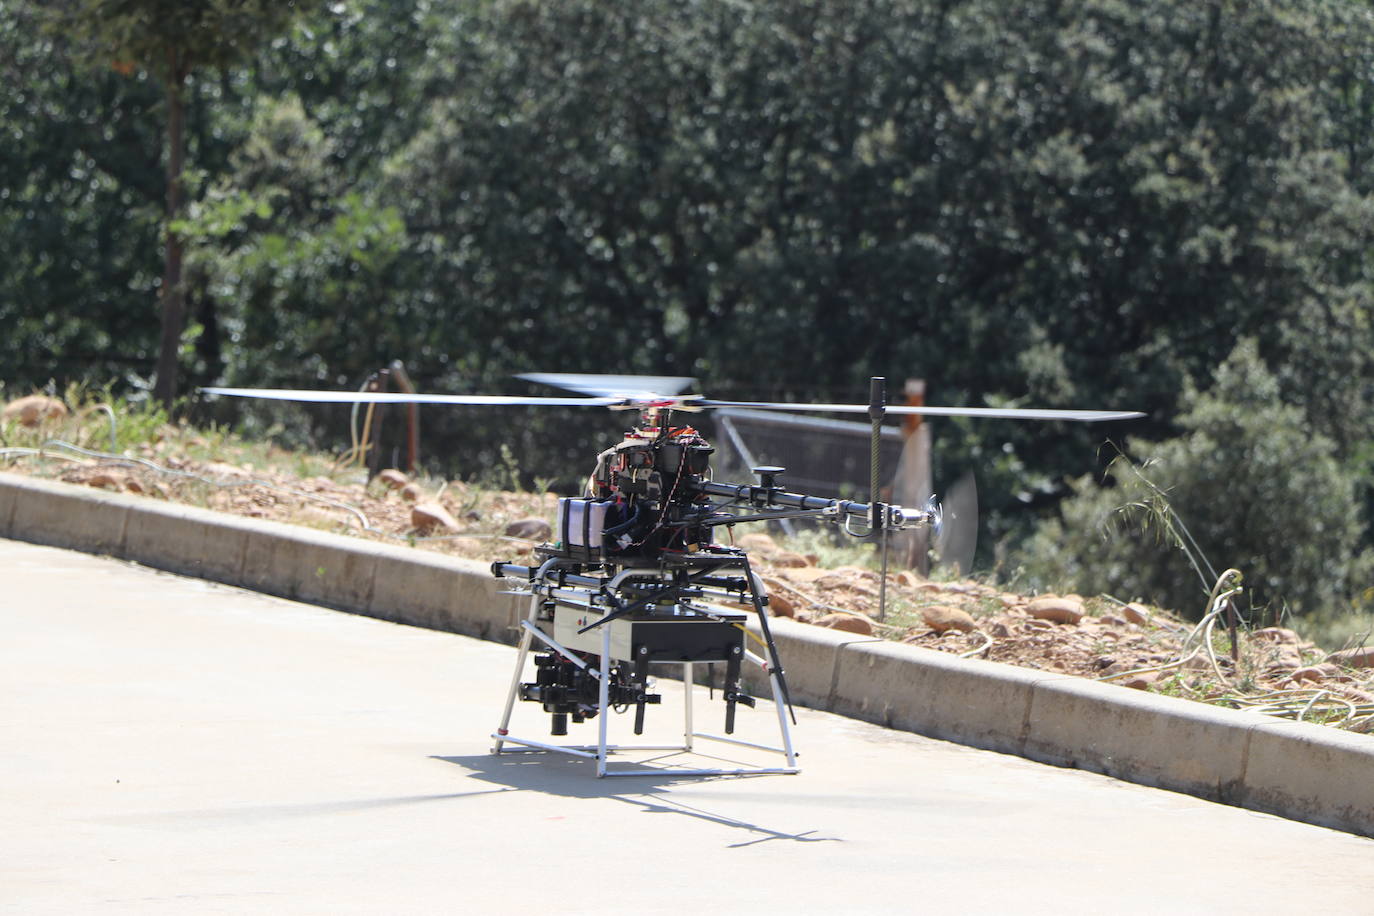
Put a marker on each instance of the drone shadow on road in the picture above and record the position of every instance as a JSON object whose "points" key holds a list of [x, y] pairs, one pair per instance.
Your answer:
{"points": [[571, 777]]}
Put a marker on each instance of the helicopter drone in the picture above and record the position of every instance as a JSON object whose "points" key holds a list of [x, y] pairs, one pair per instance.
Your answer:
{"points": [[636, 575]]}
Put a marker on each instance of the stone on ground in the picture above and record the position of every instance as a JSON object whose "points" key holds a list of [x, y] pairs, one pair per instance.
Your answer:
{"points": [[34, 409], [850, 623], [531, 529], [942, 619], [1056, 609], [430, 516]]}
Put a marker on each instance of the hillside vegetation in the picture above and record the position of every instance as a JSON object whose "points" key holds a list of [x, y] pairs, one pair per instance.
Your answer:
{"points": [[1160, 205], [815, 579]]}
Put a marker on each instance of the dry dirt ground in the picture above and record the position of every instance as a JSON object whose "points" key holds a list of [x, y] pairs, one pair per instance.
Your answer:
{"points": [[1094, 637]]}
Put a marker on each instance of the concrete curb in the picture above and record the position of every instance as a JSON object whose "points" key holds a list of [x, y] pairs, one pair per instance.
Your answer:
{"points": [[1296, 770], [380, 580]]}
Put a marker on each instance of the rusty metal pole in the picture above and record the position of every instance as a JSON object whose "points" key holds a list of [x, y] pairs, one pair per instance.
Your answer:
{"points": [[374, 442], [1231, 629], [398, 372], [917, 543]]}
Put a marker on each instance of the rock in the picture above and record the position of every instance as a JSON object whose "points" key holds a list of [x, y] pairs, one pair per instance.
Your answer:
{"points": [[428, 516], [1276, 634], [858, 572], [907, 578], [34, 409], [394, 479], [318, 518], [789, 559], [1287, 659], [531, 529], [105, 480], [1354, 658], [133, 486], [942, 619], [472, 515], [757, 542], [999, 630], [1140, 681], [804, 575], [781, 605], [1039, 624], [839, 578], [220, 469], [411, 492], [1310, 673], [850, 623], [1055, 609], [1135, 612]]}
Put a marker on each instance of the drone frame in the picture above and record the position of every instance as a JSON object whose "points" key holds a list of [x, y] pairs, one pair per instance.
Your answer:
{"points": [[595, 594], [571, 582]]}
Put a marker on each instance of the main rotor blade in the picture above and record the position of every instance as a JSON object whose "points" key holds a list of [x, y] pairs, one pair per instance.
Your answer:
{"points": [[387, 397], [630, 387], [996, 413]]}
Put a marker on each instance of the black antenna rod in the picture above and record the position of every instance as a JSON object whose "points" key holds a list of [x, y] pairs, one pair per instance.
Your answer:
{"points": [[876, 405], [877, 512]]}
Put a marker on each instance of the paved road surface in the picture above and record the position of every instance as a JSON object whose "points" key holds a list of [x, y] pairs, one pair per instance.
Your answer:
{"points": [[172, 746]]}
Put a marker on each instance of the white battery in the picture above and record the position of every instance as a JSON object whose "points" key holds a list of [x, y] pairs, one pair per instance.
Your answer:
{"points": [[582, 521]]}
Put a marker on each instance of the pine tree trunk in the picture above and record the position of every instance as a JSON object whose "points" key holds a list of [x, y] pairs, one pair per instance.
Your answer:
{"points": [[173, 296]]}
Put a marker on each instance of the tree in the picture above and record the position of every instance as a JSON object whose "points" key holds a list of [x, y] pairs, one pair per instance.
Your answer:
{"points": [[1247, 485], [80, 204], [1038, 201], [172, 39], [1056, 202]]}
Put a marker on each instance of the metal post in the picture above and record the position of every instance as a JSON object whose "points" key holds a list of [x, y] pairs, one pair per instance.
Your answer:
{"points": [[876, 409], [913, 486], [515, 678], [877, 522], [374, 441], [782, 720], [688, 687], [604, 701], [398, 372]]}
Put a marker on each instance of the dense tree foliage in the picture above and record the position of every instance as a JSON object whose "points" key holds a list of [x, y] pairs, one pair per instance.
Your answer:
{"points": [[1081, 203], [170, 39], [1247, 478], [80, 203]]}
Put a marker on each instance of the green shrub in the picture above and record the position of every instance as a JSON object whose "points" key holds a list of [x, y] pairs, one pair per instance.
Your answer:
{"points": [[1247, 484]]}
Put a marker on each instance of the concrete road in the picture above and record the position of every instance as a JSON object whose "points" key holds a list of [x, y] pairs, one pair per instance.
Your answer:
{"points": [[172, 746]]}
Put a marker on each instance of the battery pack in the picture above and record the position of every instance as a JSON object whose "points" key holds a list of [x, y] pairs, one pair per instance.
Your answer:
{"points": [[581, 523]]}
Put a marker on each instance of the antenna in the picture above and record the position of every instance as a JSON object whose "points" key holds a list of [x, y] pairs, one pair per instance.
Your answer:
{"points": [[877, 401]]}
